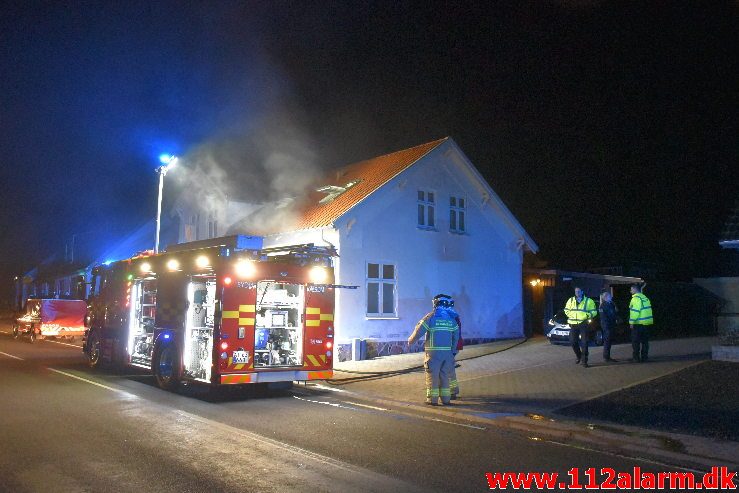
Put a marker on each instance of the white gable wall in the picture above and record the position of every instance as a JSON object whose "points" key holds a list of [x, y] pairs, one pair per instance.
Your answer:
{"points": [[480, 269]]}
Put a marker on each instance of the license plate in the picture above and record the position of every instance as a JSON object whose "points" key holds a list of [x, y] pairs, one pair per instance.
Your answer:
{"points": [[561, 333], [240, 357]]}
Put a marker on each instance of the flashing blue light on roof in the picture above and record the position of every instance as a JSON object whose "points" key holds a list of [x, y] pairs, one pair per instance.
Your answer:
{"points": [[107, 262], [166, 336]]}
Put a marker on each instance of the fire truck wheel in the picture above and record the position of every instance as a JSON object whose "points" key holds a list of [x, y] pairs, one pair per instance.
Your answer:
{"points": [[93, 351], [166, 366]]}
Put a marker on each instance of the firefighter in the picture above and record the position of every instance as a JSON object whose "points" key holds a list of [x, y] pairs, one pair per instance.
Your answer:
{"points": [[452, 373], [640, 319], [442, 333], [580, 311]]}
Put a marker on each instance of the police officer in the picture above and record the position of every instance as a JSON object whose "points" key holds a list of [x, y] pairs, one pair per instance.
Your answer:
{"points": [[580, 311], [442, 333], [640, 319]]}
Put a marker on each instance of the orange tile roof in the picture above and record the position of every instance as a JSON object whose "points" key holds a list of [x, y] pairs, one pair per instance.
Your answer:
{"points": [[372, 173]]}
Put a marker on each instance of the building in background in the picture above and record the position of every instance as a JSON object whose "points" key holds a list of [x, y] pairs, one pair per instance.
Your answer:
{"points": [[409, 225]]}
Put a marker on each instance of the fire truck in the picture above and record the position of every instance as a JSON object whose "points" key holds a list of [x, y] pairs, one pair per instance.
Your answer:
{"points": [[220, 311]]}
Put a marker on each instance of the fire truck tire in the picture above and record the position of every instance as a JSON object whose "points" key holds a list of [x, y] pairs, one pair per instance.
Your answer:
{"points": [[93, 351], [166, 366]]}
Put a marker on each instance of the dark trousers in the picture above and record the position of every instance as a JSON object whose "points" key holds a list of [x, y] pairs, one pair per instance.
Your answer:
{"points": [[640, 342], [606, 342], [576, 341]]}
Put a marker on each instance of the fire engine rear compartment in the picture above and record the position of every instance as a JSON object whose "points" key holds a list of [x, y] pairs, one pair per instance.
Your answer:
{"points": [[278, 328], [199, 325]]}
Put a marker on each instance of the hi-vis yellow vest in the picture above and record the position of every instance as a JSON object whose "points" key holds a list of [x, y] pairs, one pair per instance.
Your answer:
{"points": [[578, 313], [640, 310]]}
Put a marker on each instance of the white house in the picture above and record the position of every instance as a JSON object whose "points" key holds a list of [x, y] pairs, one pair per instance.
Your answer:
{"points": [[409, 225]]}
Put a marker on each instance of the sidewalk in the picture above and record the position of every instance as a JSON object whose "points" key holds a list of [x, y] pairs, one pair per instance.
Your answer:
{"points": [[522, 385]]}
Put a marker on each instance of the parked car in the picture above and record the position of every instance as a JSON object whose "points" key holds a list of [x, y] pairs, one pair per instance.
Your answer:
{"points": [[559, 330], [51, 318]]}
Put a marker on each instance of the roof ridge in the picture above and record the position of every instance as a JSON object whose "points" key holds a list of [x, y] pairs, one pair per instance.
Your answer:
{"points": [[436, 143]]}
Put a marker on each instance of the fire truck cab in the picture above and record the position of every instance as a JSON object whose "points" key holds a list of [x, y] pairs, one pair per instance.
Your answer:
{"points": [[220, 311]]}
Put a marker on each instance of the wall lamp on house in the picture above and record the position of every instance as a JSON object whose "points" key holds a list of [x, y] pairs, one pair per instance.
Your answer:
{"points": [[535, 282]]}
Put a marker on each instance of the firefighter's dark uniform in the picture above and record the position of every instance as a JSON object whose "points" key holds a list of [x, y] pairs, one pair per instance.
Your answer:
{"points": [[640, 319], [579, 314], [441, 333]]}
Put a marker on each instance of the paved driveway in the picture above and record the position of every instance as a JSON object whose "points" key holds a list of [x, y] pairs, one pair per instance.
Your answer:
{"points": [[531, 377]]}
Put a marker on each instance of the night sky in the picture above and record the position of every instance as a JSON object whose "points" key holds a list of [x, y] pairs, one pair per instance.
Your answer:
{"points": [[608, 128]]}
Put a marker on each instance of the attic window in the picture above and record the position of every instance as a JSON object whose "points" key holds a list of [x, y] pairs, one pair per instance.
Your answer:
{"points": [[333, 191]]}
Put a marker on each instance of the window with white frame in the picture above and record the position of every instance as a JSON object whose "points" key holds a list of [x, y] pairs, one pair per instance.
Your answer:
{"points": [[381, 290], [426, 206], [457, 213]]}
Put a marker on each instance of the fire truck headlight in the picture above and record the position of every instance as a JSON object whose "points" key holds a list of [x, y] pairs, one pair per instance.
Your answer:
{"points": [[245, 269], [227, 281], [318, 275], [145, 267], [329, 344], [224, 345], [173, 264], [202, 262]]}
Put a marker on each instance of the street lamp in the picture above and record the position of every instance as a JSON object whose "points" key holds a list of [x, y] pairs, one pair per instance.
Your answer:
{"points": [[168, 162]]}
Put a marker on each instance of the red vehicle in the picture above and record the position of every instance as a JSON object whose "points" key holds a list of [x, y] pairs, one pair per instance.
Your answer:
{"points": [[51, 318], [221, 311]]}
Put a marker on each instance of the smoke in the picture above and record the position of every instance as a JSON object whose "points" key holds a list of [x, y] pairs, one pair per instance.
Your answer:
{"points": [[253, 175]]}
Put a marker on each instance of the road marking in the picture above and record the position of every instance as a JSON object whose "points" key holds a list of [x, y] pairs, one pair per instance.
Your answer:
{"points": [[325, 403], [11, 356], [427, 418], [65, 344], [456, 424], [325, 387], [128, 394], [365, 405], [4, 332]]}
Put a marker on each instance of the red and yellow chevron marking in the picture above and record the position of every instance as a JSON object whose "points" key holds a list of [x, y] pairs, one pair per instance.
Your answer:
{"points": [[311, 360], [241, 314], [231, 379], [315, 322], [320, 375]]}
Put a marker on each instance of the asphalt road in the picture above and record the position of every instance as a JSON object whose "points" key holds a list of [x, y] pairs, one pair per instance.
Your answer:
{"points": [[64, 427]]}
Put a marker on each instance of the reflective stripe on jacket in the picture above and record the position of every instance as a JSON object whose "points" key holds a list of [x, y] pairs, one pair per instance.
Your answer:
{"points": [[441, 330], [640, 310], [578, 313]]}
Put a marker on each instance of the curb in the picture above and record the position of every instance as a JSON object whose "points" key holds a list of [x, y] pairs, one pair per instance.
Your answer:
{"points": [[669, 449]]}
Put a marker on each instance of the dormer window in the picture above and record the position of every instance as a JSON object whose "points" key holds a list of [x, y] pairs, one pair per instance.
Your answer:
{"points": [[333, 191]]}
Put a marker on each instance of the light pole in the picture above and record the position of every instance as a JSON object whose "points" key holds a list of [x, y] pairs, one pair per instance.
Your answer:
{"points": [[168, 162]]}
